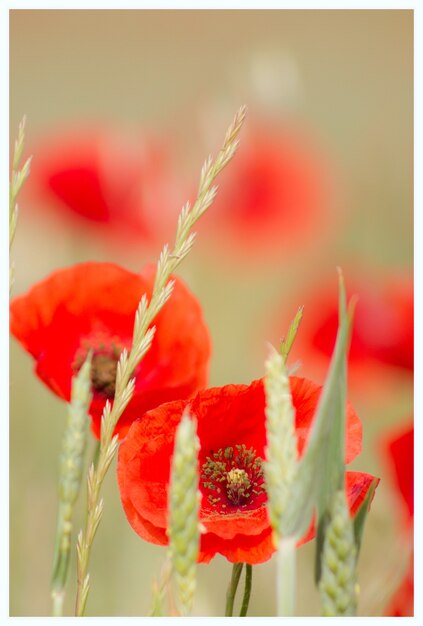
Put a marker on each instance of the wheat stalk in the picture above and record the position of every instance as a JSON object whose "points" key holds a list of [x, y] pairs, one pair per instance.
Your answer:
{"points": [[168, 261], [17, 181]]}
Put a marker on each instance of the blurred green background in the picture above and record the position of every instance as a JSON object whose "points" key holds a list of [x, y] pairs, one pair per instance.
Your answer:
{"points": [[349, 76]]}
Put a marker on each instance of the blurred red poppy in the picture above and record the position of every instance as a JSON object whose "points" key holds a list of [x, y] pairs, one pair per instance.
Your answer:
{"points": [[120, 183], [382, 334], [398, 453], [402, 602], [231, 430], [92, 306], [276, 197]]}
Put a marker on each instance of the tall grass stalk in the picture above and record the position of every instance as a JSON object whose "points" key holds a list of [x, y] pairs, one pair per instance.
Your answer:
{"points": [[143, 335], [18, 178]]}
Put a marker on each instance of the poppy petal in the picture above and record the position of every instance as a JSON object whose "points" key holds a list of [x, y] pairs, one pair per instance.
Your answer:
{"points": [[227, 418], [93, 306]]}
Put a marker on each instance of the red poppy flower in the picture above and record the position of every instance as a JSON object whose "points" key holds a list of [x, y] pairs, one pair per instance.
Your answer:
{"points": [[277, 194], [119, 183], [398, 454], [92, 306], [231, 430], [382, 333]]}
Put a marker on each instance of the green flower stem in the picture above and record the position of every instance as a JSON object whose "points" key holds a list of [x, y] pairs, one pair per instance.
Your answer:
{"points": [[233, 586], [247, 590], [286, 577]]}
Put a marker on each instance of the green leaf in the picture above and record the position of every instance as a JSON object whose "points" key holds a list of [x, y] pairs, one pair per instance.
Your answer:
{"points": [[333, 468], [321, 470], [361, 515]]}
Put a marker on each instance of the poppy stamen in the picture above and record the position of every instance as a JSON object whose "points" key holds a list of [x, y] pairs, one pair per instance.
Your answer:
{"points": [[233, 476], [103, 374], [106, 355], [238, 485]]}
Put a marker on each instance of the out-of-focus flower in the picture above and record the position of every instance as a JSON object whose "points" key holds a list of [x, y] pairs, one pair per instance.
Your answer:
{"points": [[114, 183], [402, 602], [92, 306], [398, 454], [277, 196], [398, 451], [231, 430], [382, 332]]}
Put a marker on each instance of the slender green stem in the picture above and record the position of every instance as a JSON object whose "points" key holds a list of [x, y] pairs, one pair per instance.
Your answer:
{"points": [[233, 586], [286, 577], [61, 557], [58, 598], [247, 590]]}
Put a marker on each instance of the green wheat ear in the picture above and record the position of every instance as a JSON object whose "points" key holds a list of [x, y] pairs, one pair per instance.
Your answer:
{"points": [[184, 503], [281, 452], [71, 466], [338, 583]]}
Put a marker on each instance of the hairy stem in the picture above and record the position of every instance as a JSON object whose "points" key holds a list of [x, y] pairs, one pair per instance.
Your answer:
{"points": [[247, 590], [233, 586]]}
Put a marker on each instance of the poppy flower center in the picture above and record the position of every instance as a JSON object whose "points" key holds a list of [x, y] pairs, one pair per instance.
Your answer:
{"points": [[238, 485], [233, 477], [103, 374], [106, 354]]}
